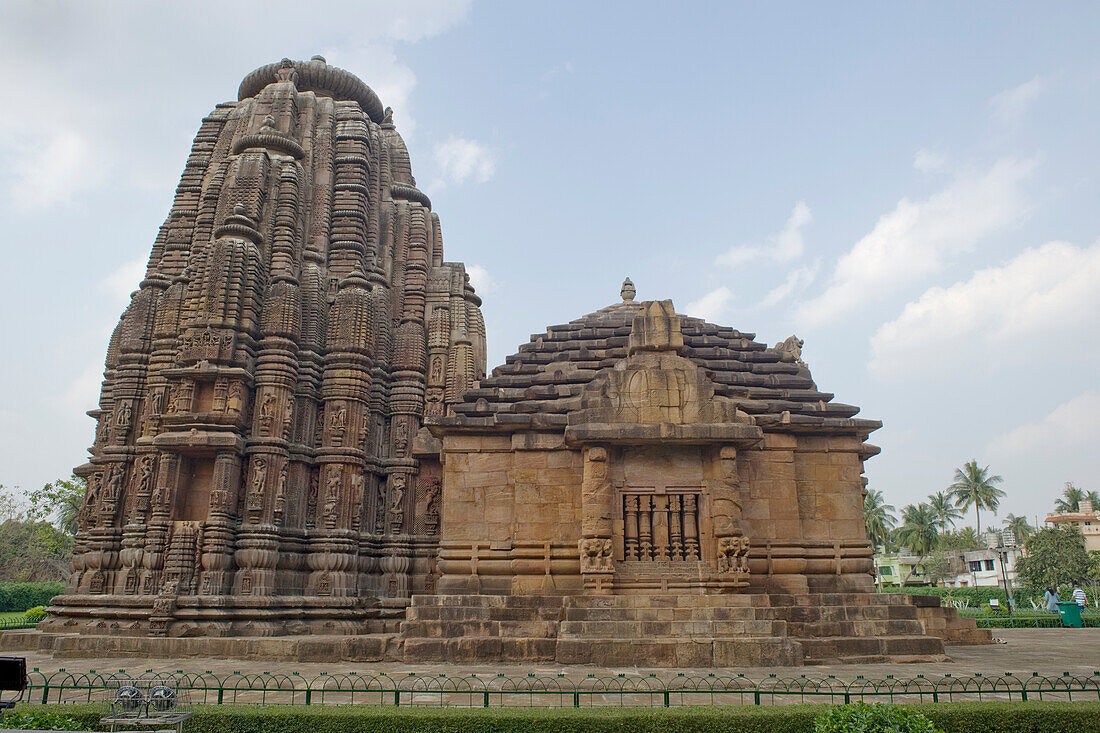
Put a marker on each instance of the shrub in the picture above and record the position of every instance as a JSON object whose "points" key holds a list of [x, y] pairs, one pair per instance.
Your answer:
{"points": [[874, 718], [36, 614], [978, 717], [40, 719], [21, 596]]}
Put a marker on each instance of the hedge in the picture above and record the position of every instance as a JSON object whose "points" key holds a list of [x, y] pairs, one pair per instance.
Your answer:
{"points": [[21, 596], [979, 595], [981, 717]]}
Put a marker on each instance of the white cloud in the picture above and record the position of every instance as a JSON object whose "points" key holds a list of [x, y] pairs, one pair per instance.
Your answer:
{"points": [[919, 237], [459, 159], [712, 306], [124, 280], [927, 161], [1071, 426], [480, 278], [106, 139], [784, 246], [48, 166], [797, 280], [1010, 105], [1043, 292]]}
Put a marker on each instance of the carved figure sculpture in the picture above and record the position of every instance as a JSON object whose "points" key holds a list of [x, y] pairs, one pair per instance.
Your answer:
{"points": [[791, 350], [596, 555]]}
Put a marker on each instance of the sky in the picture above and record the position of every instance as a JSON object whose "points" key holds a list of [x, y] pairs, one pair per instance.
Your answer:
{"points": [[910, 188]]}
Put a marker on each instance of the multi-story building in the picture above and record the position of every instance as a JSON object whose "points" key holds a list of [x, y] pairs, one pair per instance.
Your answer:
{"points": [[1086, 519]]}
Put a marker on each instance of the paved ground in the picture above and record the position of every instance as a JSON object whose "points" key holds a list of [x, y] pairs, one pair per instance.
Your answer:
{"points": [[1046, 651]]}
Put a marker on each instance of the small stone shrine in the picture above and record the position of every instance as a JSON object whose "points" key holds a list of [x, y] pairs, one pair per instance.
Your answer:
{"points": [[296, 439]]}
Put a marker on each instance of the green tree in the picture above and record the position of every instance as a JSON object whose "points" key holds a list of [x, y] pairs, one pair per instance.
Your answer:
{"points": [[1071, 499], [879, 517], [1055, 556], [937, 567], [1019, 527], [59, 502], [974, 487], [960, 539], [943, 504], [919, 532], [1094, 497]]}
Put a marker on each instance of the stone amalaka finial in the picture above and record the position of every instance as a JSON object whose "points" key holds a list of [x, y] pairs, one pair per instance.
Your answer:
{"points": [[628, 291]]}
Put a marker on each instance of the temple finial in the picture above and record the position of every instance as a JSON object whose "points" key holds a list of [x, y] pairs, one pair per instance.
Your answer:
{"points": [[628, 291]]}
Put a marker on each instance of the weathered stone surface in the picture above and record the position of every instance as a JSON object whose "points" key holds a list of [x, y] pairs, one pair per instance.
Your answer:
{"points": [[253, 469], [298, 454]]}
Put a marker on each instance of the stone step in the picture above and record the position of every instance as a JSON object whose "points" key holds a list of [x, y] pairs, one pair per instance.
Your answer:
{"points": [[479, 629], [664, 614], [667, 629], [851, 649], [478, 613], [503, 649], [861, 627], [685, 600], [840, 613], [718, 652]]}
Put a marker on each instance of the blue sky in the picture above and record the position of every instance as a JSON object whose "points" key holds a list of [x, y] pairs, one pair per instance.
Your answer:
{"points": [[912, 189]]}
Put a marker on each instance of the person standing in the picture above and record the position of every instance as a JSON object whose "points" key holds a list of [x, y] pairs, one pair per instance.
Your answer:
{"points": [[1050, 597], [1079, 596]]}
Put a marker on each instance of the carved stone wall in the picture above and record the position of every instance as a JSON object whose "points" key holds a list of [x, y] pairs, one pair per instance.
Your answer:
{"points": [[644, 452], [264, 388]]}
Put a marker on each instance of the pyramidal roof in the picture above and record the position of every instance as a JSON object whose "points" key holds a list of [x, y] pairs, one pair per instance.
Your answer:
{"points": [[539, 385]]}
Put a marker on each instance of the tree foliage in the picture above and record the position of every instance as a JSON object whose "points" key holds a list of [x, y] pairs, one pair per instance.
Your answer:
{"points": [[1071, 499], [879, 517], [964, 538], [975, 487], [943, 505], [31, 548], [1055, 556], [59, 502], [1019, 527], [919, 531]]}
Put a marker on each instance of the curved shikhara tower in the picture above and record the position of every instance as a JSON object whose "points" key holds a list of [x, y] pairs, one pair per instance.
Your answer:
{"points": [[259, 466]]}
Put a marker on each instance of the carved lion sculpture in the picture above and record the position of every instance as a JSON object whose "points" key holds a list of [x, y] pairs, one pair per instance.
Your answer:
{"points": [[791, 350]]}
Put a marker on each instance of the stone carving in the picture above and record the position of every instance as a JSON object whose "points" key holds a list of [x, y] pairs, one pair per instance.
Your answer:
{"points": [[596, 555], [300, 276], [790, 349], [397, 498], [733, 555], [234, 401], [332, 498]]}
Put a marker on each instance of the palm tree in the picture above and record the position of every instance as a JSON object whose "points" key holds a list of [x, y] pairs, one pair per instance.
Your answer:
{"points": [[974, 486], [1094, 497], [943, 504], [1019, 527], [1071, 499], [879, 517], [918, 532]]}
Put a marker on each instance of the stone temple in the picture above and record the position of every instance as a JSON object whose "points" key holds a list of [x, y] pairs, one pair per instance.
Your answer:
{"points": [[299, 455]]}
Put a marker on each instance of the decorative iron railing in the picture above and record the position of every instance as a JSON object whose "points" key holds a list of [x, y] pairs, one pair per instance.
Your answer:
{"points": [[548, 690]]}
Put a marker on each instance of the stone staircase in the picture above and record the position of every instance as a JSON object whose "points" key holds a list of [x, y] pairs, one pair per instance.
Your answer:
{"points": [[481, 628], [856, 628], [672, 631], [688, 630]]}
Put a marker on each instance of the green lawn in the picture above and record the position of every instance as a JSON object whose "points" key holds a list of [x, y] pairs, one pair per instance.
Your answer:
{"points": [[6, 615]]}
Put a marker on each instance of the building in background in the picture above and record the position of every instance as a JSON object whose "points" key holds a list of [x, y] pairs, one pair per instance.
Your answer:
{"points": [[1086, 519]]}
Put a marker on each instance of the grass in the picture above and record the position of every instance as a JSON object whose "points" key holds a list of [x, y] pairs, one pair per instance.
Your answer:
{"points": [[9, 615]]}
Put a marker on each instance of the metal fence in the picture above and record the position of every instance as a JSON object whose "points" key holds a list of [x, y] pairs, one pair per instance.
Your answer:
{"points": [[18, 622], [549, 690]]}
